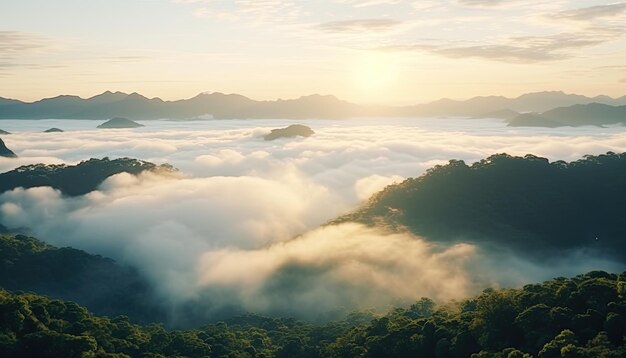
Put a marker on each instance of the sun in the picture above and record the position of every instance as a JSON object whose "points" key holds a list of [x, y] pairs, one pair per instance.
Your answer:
{"points": [[374, 72]]}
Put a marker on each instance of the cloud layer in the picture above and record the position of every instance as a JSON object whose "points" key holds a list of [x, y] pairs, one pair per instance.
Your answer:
{"points": [[221, 234]]}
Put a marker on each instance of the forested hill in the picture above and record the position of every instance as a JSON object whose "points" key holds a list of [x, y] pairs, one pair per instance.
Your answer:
{"points": [[77, 179], [99, 283], [578, 317], [525, 203]]}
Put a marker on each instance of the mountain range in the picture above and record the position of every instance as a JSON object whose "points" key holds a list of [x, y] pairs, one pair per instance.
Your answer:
{"points": [[576, 115], [228, 106]]}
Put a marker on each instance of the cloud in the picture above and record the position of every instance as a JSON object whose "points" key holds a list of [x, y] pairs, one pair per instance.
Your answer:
{"points": [[525, 49], [592, 12], [349, 265], [481, 3], [259, 12], [529, 49], [368, 186], [161, 224], [368, 3], [360, 25], [525, 6], [125, 59], [501, 53], [239, 229], [16, 45], [15, 42]]}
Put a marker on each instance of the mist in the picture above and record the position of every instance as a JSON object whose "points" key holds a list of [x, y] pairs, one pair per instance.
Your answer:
{"points": [[240, 228]]}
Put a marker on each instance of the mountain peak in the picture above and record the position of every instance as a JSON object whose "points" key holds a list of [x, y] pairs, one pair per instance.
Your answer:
{"points": [[319, 97], [61, 98], [6, 152], [108, 96]]}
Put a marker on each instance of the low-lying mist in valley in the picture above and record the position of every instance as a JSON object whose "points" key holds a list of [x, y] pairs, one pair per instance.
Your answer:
{"points": [[241, 226]]}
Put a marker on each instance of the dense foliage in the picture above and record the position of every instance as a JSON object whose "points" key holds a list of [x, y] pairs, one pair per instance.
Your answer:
{"points": [[525, 203], [74, 180], [578, 317], [101, 284]]}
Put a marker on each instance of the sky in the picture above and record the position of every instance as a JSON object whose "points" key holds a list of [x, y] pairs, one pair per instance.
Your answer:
{"points": [[364, 51]]}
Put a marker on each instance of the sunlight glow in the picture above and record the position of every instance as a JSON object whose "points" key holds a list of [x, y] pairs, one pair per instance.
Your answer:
{"points": [[375, 72]]}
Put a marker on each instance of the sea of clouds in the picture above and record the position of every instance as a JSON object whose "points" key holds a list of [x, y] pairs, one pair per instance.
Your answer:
{"points": [[240, 225]]}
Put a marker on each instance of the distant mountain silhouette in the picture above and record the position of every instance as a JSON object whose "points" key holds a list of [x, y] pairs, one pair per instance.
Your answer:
{"points": [[6, 152], [4, 132], [53, 130], [576, 115], [531, 102], [216, 105], [9, 102], [226, 106], [294, 130], [120, 123]]}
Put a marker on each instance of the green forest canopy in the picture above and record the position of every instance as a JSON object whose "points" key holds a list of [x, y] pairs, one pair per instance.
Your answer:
{"points": [[526, 203], [563, 317], [77, 179], [99, 283]]}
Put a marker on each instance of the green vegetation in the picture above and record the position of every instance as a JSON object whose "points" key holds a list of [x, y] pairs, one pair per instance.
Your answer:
{"points": [[4, 151], [99, 283], [524, 203], [578, 317], [77, 179]]}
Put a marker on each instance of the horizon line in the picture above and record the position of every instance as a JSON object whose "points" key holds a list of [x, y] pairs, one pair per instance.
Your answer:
{"points": [[111, 92]]}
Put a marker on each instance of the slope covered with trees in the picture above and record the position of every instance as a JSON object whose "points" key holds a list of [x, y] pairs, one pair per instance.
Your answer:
{"points": [[77, 179], [524, 203], [99, 283], [578, 317]]}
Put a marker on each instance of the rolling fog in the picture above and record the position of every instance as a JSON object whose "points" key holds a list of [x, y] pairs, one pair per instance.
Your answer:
{"points": [[239, 226]]}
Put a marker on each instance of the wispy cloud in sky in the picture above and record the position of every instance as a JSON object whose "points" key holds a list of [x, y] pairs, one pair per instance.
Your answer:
{"points": [[360, 25], [522, 49], [593, 12], [486, 3], [367, 3], [15, 45], [257, 11]]}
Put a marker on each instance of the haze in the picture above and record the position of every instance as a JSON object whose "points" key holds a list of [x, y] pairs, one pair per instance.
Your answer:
{"points": [[388, 51]]}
